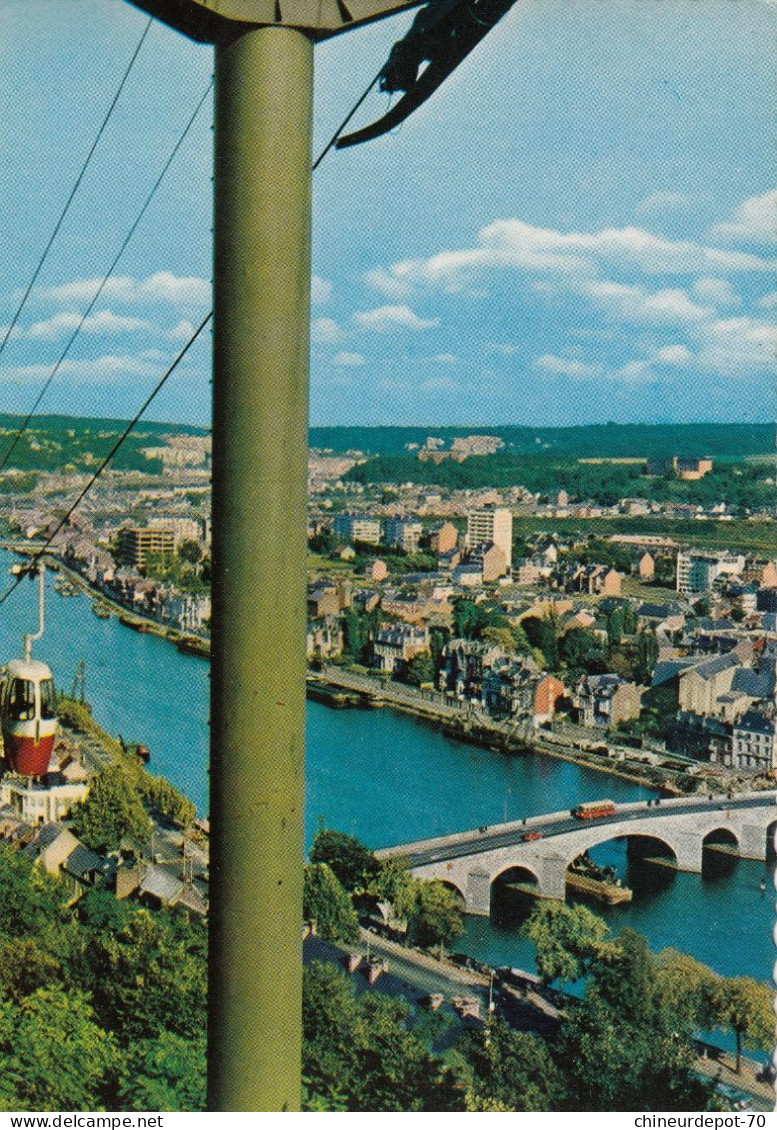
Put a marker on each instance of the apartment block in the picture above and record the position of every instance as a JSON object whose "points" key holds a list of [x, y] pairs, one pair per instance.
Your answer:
{"points": [[134, 544], [491, 524], [697, 570], [358, 527]]}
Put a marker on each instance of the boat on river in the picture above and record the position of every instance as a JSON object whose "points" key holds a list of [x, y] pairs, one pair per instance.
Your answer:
{"points": [[193, 645], [137, 625]]}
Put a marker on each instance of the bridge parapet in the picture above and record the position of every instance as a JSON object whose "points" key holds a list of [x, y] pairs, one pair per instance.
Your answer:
{"points": [[546, 859]]}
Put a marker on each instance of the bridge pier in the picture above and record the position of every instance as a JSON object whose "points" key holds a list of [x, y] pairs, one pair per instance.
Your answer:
{"points": [[689, 851], [553, 877], [477, 893], [752, 842]]}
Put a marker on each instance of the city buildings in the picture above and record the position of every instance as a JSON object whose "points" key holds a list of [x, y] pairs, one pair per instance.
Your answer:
{"points": [[491, 524], [357, 527], [134, 545], [697, 569]]}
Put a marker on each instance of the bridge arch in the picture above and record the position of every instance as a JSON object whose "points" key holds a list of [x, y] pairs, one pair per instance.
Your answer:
{"points": [[503, 895], [516, 873], [721, 836], [452, 886], [771, 842], [637, 843]]}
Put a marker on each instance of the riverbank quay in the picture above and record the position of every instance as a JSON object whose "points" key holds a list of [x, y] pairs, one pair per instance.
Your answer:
{"points": [[463, 723], [529, 1009], [188, 642]]}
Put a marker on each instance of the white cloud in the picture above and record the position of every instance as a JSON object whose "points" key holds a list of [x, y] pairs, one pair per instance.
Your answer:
{"points": [[344, 358], [103, 322], [515, 245], [385, 318], [678, 355], [634, 303], [635, 370], [182, 331], [769, 301], [719, 291], [664, 202], [320, 290], [161, 287], [445, 358], [565, 366], [736, 346], [108, 369], [387, 283], [754, 221], [324, 331]]}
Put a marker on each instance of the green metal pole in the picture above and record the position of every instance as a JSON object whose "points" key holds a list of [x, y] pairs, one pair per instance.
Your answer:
{"points": [[264, 81]]}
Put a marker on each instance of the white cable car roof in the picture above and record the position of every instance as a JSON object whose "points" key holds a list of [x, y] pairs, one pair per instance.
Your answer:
{"points": [[27, 669]]}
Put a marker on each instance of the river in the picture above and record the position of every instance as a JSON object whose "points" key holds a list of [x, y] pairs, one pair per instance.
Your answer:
{"points": [[387, 778]]}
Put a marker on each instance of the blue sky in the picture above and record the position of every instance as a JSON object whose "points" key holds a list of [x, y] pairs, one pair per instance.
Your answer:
{"points": [[579, 226]]}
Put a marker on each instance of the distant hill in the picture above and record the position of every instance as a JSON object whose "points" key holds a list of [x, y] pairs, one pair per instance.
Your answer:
{"points": [[96, 424], [62, 443], [590, 440]]}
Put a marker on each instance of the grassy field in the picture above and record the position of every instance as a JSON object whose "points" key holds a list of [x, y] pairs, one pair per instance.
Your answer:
{"points": [[759, 538]]}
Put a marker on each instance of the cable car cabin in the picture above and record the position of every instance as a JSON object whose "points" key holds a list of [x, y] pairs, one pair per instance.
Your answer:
{"points": [[28, 717]]}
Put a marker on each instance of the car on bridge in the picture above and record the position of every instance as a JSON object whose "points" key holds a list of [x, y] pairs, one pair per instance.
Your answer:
{"points": [[531, 835]]}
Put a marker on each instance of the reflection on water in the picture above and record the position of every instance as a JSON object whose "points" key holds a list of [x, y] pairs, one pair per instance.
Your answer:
{"points": [[387, 778], [722, 916]]}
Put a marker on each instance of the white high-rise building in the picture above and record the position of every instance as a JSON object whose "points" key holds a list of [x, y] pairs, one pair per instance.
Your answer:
{"points": [[492, 524], [697, 569]]}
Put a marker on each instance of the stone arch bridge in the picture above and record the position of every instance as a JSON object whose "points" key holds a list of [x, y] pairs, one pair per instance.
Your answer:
{"points": [[544, 846]]}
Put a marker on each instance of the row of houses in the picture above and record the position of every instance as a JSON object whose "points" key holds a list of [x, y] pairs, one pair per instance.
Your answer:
{"points": [[53, 848]]}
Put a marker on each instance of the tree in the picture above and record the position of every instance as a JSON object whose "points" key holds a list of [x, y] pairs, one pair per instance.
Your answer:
{"points": [[395, 1071], [166, 800], [469, 619], [542, 634], [567, 939], [520, 642], [190, 552], [329, 1023], [687, 987], [164, 1073], [629, 619], [436, 918], [420, 669], [326, 901], [615, 626], [352, 862], [627, 1044], [359, 1055], [616, 1062], [647, 656], [510, 1070], [438, 637], [53, 1054], [356, 636], [747, 1007], [148, 976], [581, 652], [501, 637], [30, 901], [25, 966], [112, 811], [393, 883]]}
